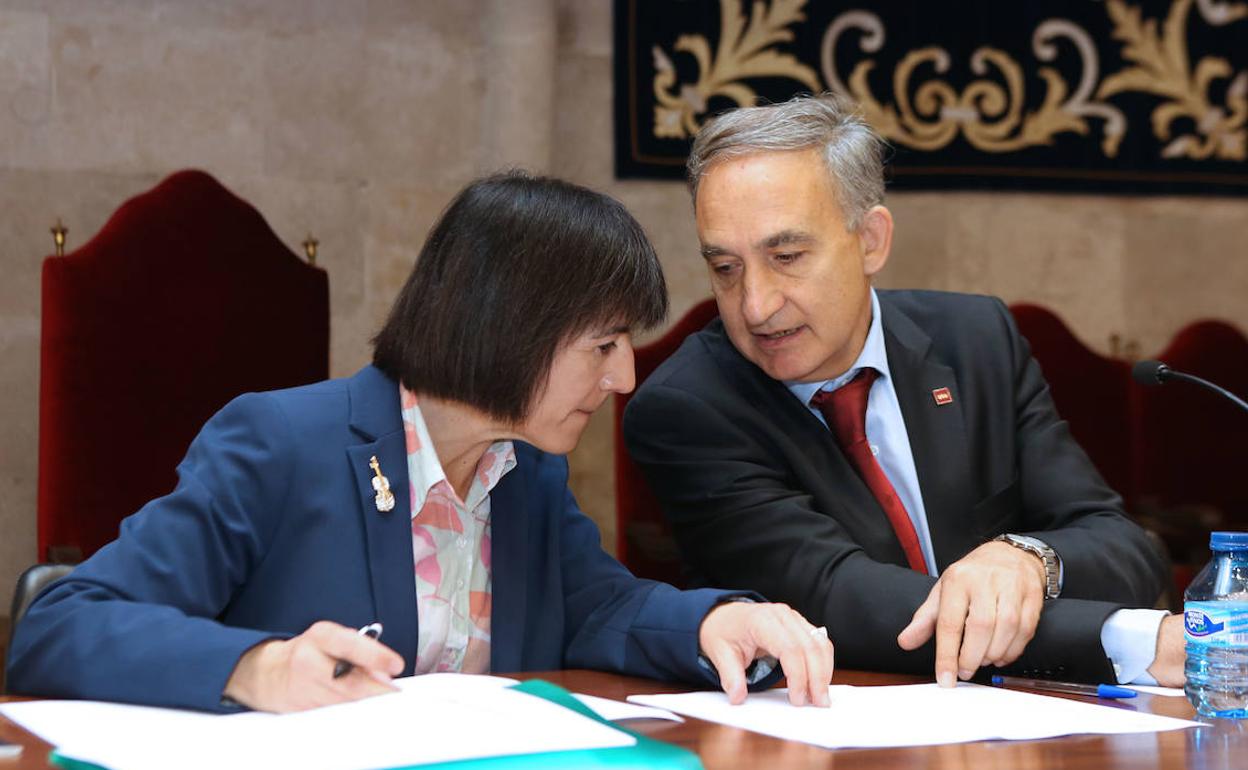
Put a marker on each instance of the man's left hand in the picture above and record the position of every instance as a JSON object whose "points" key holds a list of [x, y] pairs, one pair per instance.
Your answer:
{"points": [[983, 609], [1171, 653], [733, 634]]}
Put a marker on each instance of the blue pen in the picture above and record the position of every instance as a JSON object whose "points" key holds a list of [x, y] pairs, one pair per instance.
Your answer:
{"points": [[1094, 690]]}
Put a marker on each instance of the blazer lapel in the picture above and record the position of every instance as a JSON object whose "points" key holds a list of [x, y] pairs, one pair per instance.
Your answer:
{"points": [[509, 557], [375, 416], [937, 433]]}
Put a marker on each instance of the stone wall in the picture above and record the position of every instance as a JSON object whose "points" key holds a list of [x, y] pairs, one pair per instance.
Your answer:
{"points": [[358, 121]]}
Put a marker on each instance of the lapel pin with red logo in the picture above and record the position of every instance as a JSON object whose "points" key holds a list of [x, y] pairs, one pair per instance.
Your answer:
{"points": [[942, 396]]}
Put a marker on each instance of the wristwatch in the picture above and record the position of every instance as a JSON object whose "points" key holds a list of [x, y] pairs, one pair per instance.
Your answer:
{"points": [[1041, 549]]}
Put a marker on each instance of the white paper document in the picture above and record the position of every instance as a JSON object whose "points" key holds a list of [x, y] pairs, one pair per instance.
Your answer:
{"points": [[433, 718], [610, 710], [912, 715], [1149, 689], [614, 710]]}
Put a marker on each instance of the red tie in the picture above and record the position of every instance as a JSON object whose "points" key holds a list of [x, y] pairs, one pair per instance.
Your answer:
{"points": [[845, 410]]}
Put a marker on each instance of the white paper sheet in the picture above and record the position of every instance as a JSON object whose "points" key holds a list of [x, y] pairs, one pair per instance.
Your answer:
{"points": [[1148, 689], [912, 715], [610, 710], [433, 718], [614, 710]]}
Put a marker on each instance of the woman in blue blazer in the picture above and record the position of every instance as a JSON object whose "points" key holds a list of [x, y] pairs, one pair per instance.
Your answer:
{"points": [[296, 519]]}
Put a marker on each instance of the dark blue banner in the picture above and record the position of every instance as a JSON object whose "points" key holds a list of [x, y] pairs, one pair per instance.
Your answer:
{"points": [[1143, 96]]}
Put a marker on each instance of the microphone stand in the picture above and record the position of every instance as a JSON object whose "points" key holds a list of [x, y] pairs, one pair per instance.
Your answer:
{"points": [[1165, 373]]}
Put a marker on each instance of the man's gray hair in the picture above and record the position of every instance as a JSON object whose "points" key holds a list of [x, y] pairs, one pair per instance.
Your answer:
{"points": [[852, 151]]}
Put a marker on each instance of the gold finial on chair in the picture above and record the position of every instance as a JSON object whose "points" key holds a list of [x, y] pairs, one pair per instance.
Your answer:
{"points": [[309, 248], [58, 236], [1126, 349]]}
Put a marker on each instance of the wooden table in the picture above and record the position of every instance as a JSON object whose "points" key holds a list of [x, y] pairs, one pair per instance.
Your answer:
{"points": [[1222, 746]]}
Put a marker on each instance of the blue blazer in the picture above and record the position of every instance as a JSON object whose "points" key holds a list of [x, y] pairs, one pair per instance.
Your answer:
{"points": [[273, 526]]}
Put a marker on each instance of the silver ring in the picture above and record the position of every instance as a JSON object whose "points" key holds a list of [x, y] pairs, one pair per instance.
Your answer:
{"points": [[820, 631]]}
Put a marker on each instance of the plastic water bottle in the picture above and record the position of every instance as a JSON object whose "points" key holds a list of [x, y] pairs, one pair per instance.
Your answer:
{"points": [[1215, 624]]}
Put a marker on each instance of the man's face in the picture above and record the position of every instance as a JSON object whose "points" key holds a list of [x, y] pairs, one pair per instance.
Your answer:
{"points": [[792, 283]]}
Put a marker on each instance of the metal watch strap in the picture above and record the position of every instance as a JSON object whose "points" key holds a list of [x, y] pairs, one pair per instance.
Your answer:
{"points": [[1046, 555]]}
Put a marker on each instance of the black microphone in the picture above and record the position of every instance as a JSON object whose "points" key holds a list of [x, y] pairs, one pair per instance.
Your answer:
{"points": [[1157, 373]]}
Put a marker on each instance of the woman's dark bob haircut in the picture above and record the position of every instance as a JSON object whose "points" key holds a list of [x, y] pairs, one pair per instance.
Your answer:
{"points": [[516, 267]]}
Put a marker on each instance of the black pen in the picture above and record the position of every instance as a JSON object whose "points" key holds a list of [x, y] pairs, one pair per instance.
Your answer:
{"points": [[343, 667], [1094, 690]]}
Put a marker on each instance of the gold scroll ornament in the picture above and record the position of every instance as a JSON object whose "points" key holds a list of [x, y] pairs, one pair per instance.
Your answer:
{"points": [[927, 112]]}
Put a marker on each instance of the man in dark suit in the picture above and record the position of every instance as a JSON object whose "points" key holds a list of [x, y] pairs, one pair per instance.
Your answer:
{"points": [[889, 463]]}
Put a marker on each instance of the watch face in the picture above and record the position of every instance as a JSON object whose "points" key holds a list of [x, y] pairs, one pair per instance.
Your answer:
{"points": [[1046, 554]]}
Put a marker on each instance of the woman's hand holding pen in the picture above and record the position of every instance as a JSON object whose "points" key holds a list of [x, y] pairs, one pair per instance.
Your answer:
{"points": [[733, 634], [298, 673]]}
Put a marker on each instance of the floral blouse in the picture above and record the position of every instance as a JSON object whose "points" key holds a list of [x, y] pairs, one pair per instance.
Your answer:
{"points": [[451, 550]]}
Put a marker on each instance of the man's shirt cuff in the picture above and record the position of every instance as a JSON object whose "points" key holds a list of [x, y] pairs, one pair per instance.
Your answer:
{"points": [[1129, 638]]}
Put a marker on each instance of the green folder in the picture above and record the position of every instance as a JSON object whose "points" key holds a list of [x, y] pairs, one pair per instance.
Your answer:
{"points": [[646, 753]]}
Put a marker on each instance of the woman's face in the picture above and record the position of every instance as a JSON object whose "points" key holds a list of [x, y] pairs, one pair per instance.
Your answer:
{"points": [[585, 372]]}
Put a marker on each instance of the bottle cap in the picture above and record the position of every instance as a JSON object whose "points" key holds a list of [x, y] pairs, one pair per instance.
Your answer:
{"points": [[1228, 541]]}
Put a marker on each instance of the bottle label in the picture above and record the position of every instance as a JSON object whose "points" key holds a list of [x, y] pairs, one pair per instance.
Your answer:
{"points": [[1216, 623]]}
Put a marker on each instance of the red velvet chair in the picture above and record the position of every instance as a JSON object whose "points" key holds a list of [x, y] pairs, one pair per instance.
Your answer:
{"points": [[1091, 392], [182, 301], [644, 541]]}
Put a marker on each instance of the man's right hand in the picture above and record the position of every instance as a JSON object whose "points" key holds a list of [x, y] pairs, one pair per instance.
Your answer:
{"points": [[983, 610], [1171, 654], [297, 674]]}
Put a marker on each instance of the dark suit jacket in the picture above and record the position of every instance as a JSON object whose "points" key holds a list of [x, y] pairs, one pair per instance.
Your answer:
{"points": [[760, 495], [273, 527]]}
